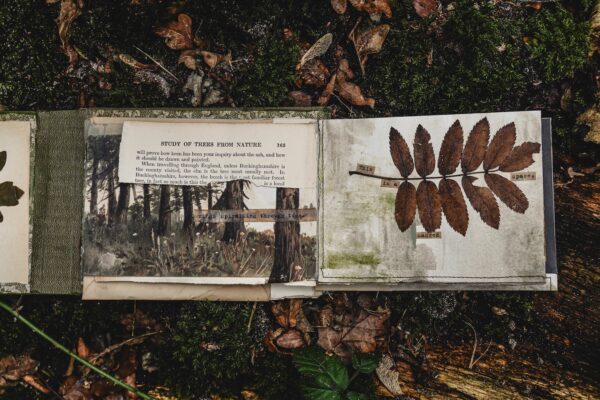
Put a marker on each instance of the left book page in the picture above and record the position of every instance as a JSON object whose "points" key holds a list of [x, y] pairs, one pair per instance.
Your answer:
{"points": [[200, 202], [15, 243]]}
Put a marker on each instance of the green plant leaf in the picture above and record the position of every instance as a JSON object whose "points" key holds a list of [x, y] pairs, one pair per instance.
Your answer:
{"points": [[327, 371], [319, 393], [365, 362], [2, 159], [357, 396]]}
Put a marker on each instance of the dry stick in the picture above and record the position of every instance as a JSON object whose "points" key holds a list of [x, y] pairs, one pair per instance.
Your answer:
{"points": [[419, 178], [157, 63], [71, 354], [251, 318], [117, 346]]}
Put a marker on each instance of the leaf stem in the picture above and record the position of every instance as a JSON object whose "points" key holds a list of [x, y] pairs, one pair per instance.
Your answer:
{"points": [[71, 354], [419, 178]]}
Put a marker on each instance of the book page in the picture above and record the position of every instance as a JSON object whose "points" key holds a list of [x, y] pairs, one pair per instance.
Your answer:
{"points": [[15, 148], [455, 198], [205, 202]]}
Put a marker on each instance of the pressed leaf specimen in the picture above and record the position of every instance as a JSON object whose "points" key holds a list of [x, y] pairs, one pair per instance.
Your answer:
{"points": [[9, 193], [431, 200]]}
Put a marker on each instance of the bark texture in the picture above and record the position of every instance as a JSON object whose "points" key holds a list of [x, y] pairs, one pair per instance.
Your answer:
{"points": [[287, 264]]}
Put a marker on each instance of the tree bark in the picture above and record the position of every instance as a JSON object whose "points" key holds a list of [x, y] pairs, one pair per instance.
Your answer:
{"points": [[232, 199], [147, 214], [123, 203], [287, 263], [188, 210], [94, 187], [112, 201], [164, 211]]}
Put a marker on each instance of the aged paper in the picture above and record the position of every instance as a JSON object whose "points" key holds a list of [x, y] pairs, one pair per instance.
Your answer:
{"points": [[14, 203], [363, 239], [270, 155]]}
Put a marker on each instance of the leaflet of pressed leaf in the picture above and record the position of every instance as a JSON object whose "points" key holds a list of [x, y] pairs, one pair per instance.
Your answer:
{"points": [[476, 145], [451, 150], [424, 156], [483, 201], [429, 206], [454, 206], [500, 147], [507, 192], [9, 193], [401, 153], [520, 157], [406, 205]]}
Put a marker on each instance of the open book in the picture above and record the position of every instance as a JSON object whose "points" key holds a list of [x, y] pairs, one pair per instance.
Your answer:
{"points": [[266, 204]]}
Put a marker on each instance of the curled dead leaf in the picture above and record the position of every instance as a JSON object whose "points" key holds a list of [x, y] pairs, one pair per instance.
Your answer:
{"points": [[178, 34], [591, 118], [286, 312], [69, 11], [291, 339], [327, 92], [373, 7], [339, 6], [300, 98], [133, 63], [314, 73], [368, 41], [319, 48], [213, 59], [353, 93], [425, 8]]}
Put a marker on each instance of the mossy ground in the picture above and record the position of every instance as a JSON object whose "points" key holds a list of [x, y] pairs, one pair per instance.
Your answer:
{"points": [[484, 58]]}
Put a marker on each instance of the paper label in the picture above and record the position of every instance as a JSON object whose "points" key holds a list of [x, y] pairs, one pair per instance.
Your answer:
{"points": [[271, 155], [522, 176]]}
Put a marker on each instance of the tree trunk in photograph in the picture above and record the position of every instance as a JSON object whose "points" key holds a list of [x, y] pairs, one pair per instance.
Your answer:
{"points": [[233, 199], [287, 263], [188, 210], [112, 200], [147, 201], [164, 211], [122, 203], [94, 187]]}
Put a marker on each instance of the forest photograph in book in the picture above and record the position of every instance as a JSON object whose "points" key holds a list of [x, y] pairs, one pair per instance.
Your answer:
{"points": [[222, 229]]}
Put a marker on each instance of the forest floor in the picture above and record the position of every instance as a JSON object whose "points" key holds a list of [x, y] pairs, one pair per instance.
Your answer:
{"points": [[439, 57]]}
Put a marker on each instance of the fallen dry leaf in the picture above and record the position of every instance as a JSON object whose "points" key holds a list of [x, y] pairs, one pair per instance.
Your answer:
{"points": [[194, 85], [300, 98], [353, 93], [188, 58], [319, 48], [368, 41], [314, 73], [388, 376], [373, 7], [591, 118], [133, 63], [291, 339], [213, 59], [178, 34], [425, 8], [286, 312], [327, 92], [354, 328], [69, 11], [339, 6]]}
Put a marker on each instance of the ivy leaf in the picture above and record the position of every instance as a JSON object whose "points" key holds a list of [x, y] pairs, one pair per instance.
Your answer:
{"points": [[365, 362], [318, 393], [2, 159], [327, 371], [357, 396]]}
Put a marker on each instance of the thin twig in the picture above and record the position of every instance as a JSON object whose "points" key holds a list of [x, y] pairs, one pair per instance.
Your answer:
{"points": [[157, 63], [251, 318], [419, 178], [117, 346], [75, 356]]}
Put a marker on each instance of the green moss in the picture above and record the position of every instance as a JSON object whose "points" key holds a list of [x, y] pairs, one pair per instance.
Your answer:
{"points": [[267, 79], [559, 43], [344, 259]]}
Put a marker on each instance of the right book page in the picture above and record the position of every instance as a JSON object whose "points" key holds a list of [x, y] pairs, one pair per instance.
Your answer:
{"points": [[434, 199]]}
